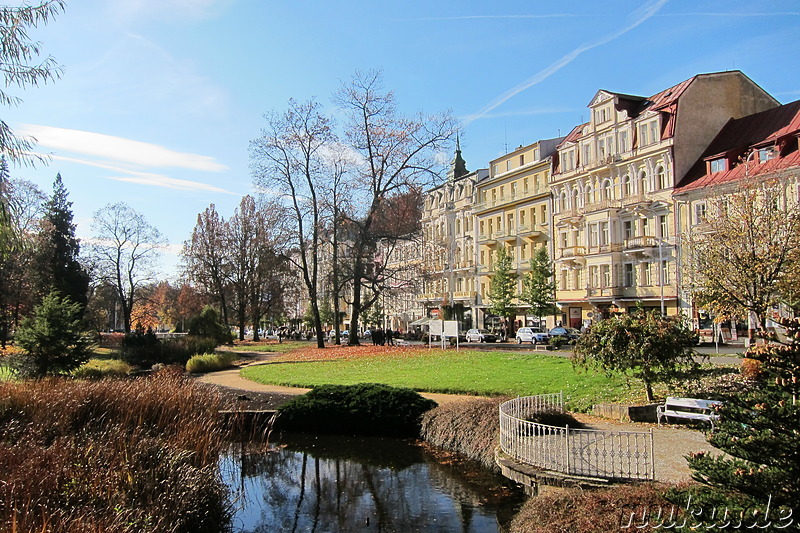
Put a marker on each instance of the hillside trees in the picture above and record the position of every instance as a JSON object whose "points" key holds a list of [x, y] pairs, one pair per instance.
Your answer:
{"points": [[503, 288], [124, 254]]}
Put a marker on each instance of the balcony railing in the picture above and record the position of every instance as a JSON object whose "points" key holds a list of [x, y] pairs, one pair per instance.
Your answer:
{"points": [[572, 251], [640, 242]]}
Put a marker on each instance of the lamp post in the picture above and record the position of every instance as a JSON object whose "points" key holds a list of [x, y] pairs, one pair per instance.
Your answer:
{"points": [[661, 274]]}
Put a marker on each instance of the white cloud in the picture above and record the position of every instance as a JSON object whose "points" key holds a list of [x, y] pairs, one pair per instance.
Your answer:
{"points": [[148, 178], [117, 149], [638, 17]]}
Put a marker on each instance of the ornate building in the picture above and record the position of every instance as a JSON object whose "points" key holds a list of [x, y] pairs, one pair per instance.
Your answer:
{"points": [[613, 215]]}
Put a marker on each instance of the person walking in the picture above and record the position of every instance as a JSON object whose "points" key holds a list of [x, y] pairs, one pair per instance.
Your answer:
{"points": [[389, 335]]}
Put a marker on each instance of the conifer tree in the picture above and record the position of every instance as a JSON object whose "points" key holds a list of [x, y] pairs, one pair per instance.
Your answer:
{"points": [[503, 288], [759, 431], [59, 267], [538, 286]]}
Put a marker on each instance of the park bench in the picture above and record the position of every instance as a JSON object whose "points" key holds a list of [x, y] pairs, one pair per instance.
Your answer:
{"points": [[690, 408]]}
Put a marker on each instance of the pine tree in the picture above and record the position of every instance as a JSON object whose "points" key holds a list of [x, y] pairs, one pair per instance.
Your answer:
{"points": [[503, 288], [538, 286], [59, 266], [759, 429], [6, 227]]}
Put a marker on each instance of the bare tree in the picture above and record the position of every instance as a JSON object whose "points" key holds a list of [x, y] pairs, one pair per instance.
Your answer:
{"points": [[745, 256], [289, 160], [124, 253], [206, 259], [398, 154]]}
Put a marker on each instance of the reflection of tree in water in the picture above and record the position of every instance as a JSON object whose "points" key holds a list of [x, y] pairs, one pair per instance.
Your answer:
{"points": [[373, 485]]}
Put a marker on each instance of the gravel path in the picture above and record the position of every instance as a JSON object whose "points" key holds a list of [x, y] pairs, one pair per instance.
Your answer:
{"points": [[672, 442]]}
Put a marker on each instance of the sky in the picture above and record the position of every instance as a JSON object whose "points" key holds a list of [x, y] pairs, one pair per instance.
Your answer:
{"points": [[159, 99]]}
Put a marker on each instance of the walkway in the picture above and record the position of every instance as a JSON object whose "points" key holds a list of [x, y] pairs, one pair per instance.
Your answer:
{"points": [[672, 443]]}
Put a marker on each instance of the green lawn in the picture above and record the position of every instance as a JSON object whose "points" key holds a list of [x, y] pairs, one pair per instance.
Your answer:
{"points": [[465, 372]]}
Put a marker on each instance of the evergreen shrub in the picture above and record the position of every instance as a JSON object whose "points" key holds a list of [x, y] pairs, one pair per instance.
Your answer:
{"points": [[363, 409]]}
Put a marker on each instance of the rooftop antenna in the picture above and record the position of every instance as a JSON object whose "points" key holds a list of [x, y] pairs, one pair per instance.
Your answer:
{"points": [[505, 135]]}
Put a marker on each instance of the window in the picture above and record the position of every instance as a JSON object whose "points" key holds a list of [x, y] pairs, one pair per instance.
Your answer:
{"points": [[623, 141], [458, 227], [717, 165], [643, 135], [533, 217], [645, 227], [604, 237], [525, 185], [483, 257], [522, 217], [643, 182], [508, 165], [629, 275], [594, 231], [563, 280], [601, 148], [587, 154], [607, 192], [523, 251], [627, 229], [564, 240], [544, 215], [646, 273], [594, 276], [699, 213], [536, 154], [482, 230], [590, 199], [605, 272], [765, 154], [510, 222], [655, 135], [627, 186], [521, 159], [661, 181], [664, 272], [663, 226]]}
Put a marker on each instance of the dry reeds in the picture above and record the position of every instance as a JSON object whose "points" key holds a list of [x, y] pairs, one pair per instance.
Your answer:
{"points": [[471, 428], [110, 456]]}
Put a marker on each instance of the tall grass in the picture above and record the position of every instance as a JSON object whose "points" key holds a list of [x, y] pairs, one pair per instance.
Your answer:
{"points": [[110, 456], [211, 362]]}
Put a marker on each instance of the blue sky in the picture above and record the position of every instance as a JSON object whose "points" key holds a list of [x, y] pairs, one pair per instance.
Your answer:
{"points": [[160, 98]]}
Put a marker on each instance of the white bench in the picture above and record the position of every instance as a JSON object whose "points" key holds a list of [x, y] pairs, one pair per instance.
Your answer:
{"points": [[691, 408]]}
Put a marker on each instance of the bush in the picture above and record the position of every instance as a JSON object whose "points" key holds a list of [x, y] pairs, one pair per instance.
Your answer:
{"points": [[209, 324], [364, 409], [554, 417], [210, 362], [751, 368], [471, 428], [145, 349], [102, 368]]}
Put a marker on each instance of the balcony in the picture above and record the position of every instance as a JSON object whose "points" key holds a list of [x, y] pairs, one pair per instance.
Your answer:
{"points": [[573, 255], [432, 296], [464, 295], [644, 245], [601, 205]]}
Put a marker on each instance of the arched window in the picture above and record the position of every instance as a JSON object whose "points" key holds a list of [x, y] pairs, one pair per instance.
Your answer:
{"points": [[627, 186], [661, 178], [562, 201], [590, 196], [574, 198], [642, 182], [608, 193]]}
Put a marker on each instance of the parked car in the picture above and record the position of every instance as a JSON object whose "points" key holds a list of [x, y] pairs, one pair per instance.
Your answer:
{"points": [[480, 335], [570, 334], [532, 335]]}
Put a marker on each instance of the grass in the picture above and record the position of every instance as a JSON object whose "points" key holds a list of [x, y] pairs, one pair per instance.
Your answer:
{"points": [[495, 373], [99, 368], [211, 362], [270, 346]]}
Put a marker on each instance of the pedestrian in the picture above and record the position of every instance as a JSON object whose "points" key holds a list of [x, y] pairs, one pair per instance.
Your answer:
{"points": [[380, 337], [389, 334]]}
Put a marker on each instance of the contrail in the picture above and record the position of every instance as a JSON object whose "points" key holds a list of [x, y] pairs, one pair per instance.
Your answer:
{"points": [[641, 15]]}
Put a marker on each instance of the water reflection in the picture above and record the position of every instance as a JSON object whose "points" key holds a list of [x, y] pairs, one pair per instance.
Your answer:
{"points": [[340, 484]]}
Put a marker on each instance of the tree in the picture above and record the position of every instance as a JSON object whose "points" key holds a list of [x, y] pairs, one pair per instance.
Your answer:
{"points": [[58, 266], [503, 287], [538, 285], [291, 158], [18, 57], [758, 430], [646, 346], [125, 253], [52, 338], [206, 259], [397, 154], [745, 257]]}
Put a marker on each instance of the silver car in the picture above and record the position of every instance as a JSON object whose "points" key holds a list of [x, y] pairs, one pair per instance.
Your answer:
{"points": [[532, 335]]}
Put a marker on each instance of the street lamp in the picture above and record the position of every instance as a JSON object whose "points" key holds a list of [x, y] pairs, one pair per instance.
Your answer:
{"points": [[661, 274]]}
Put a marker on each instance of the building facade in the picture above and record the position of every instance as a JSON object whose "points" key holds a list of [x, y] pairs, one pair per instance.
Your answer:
{"points": [[613, 215]]}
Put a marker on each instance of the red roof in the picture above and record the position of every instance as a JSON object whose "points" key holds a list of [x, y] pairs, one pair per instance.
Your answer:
{"points": [[738, 136]]}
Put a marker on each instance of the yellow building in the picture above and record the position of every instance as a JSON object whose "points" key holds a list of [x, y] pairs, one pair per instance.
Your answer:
{"points": [[613, 215], [513, 210]]}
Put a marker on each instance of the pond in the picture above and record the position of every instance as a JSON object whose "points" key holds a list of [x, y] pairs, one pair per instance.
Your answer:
{"points": [[342, 484]]}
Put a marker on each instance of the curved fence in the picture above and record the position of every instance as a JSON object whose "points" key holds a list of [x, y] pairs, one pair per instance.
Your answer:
{"points": [[583, 452]]}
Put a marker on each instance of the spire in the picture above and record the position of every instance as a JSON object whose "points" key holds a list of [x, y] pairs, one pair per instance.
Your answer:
{"points": [[458, 167]]}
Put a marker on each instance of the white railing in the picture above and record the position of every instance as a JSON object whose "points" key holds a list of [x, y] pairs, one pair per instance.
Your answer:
{"points": [[583, 452]]}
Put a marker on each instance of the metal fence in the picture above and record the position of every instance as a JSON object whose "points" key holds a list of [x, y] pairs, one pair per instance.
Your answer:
{"points": [[584, 452]]}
